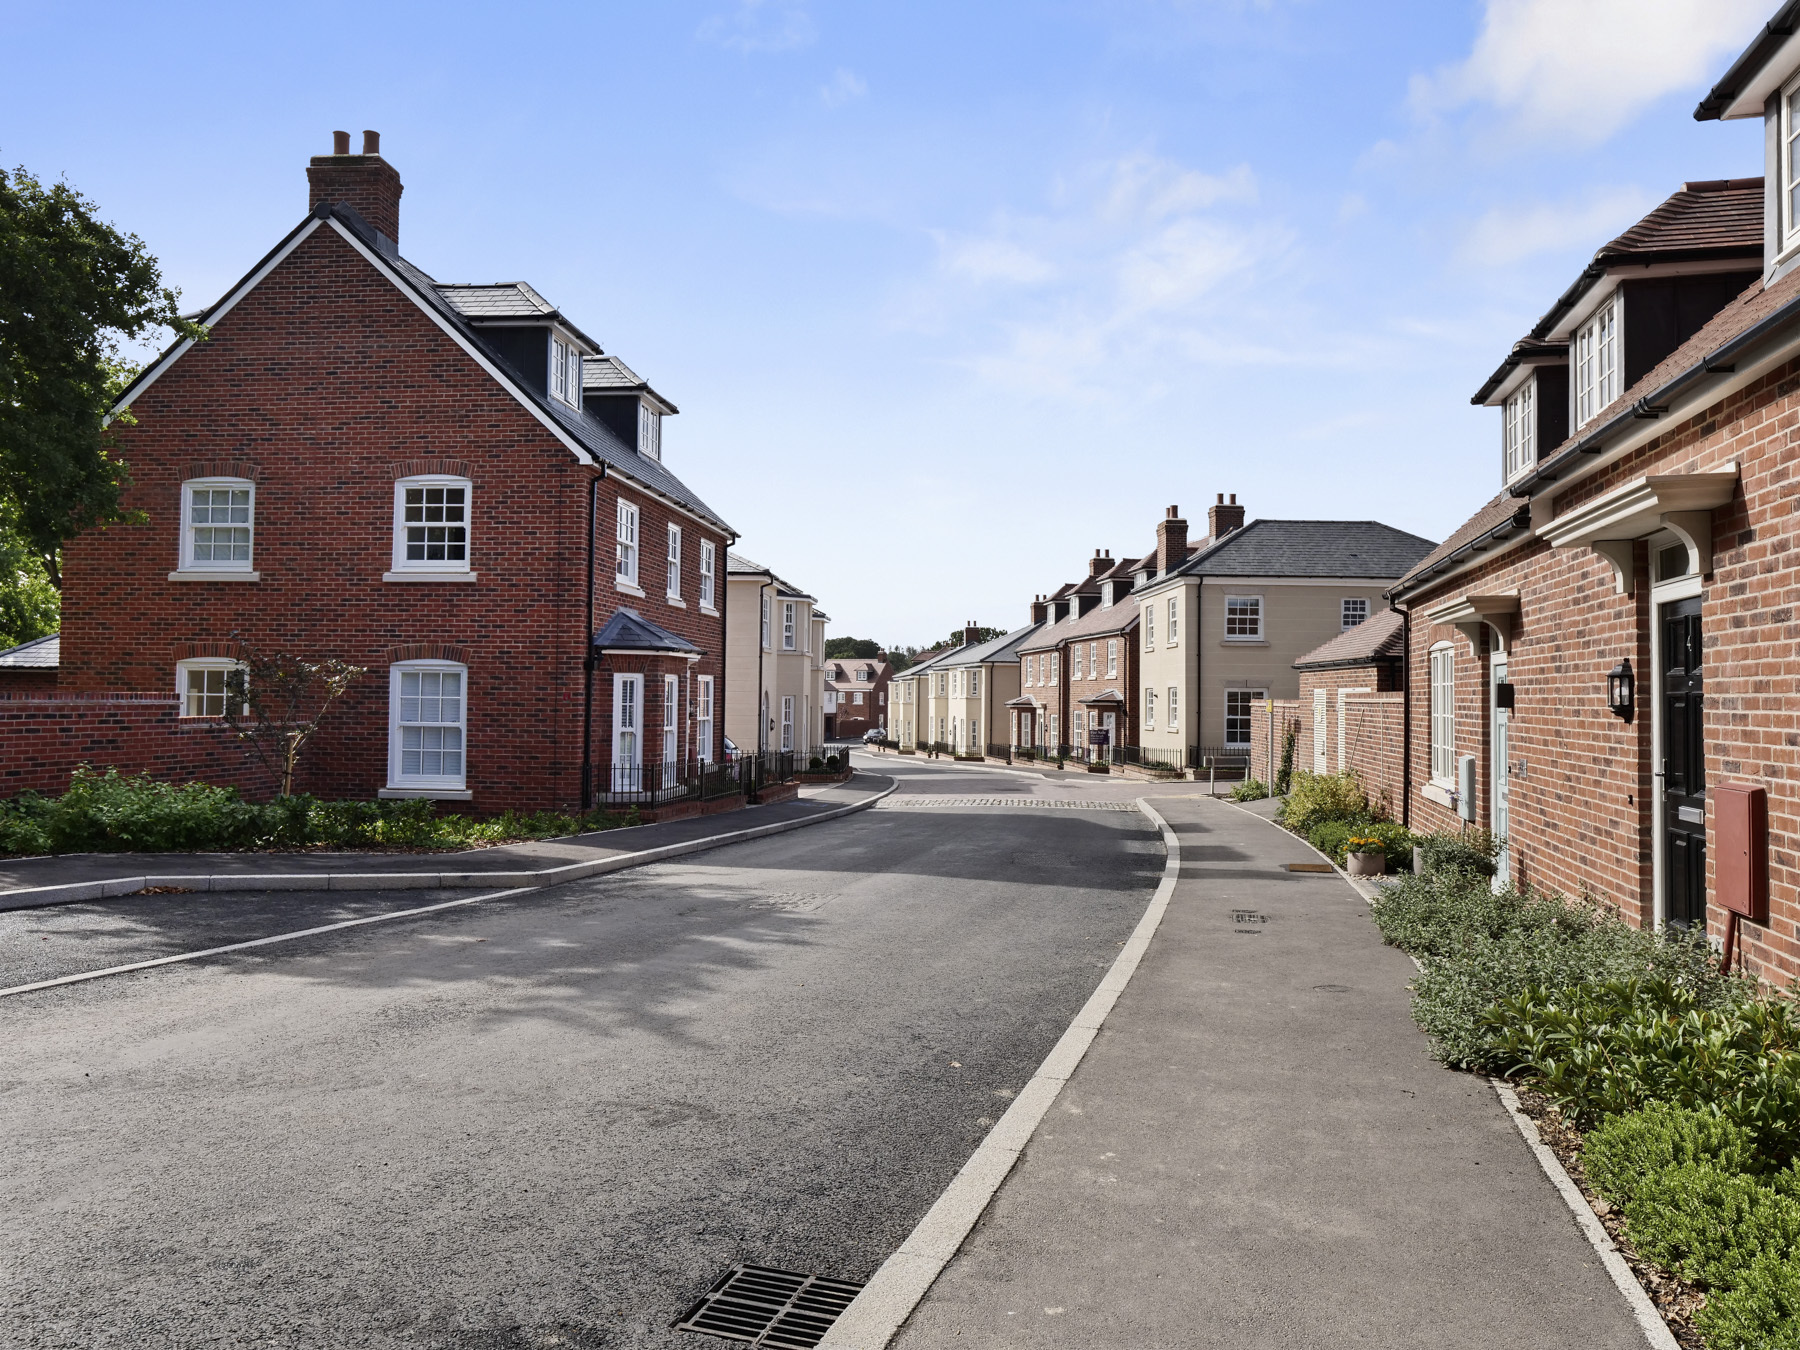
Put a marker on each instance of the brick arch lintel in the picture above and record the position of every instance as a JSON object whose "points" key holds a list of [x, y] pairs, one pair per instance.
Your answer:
{"points": [[194, 650], [223, 468], [426, 651], [412, 468]]}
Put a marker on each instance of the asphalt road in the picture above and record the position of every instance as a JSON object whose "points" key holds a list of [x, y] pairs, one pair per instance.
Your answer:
{"points": [[546, 1120]]}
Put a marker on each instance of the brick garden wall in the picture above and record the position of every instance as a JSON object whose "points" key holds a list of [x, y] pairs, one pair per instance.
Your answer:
{"points": [[44, 736], [1287, 713]]}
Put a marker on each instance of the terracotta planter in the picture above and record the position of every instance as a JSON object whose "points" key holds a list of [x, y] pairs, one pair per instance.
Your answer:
{"points": [[1366, 864]]}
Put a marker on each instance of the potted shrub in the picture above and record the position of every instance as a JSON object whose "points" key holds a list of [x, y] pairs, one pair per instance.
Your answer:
{"points": [[1365, 856]]}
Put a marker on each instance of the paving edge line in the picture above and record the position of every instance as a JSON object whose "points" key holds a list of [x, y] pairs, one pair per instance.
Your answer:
{"points": [[877, 1313], [1650, 1322], [38, 897]]}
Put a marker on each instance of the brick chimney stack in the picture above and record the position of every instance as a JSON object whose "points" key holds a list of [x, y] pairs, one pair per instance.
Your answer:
{"points": [[1171, 542], [366, 181], [971, 633], [1222, 517], [1100, 562]]}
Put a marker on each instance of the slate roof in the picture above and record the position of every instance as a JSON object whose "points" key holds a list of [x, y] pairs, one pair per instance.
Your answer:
{"points": [[610, 375], [1309, 548], [1376, 638], [1003, 649], [43, 653], [1717, 219], [1101, 619], [627, 630], [586, 430], [737, 562], [496, 300]]}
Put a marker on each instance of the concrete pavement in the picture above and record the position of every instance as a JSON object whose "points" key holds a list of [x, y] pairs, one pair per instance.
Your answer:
{"points": [[1257, 1152]]}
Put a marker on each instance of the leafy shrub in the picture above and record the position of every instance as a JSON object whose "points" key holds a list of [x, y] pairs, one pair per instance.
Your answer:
{"points": [[1708, 1224], [1606, 1048], [1464, 851], [1762, 1312], [1250, 790], [1335, 837], [1314, 798], [1627, 1149], [816, 764]]}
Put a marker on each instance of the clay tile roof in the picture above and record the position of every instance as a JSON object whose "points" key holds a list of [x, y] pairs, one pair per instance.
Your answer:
{"points": [[1376, 638], [1724, 214], [1495, 516]]}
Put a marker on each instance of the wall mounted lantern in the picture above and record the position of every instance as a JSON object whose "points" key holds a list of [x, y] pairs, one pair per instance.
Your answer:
{"points": [[1620, 691]]}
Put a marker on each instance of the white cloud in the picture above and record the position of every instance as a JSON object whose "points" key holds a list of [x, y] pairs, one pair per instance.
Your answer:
{"points": [[761, 26], [1580, 71], [990, 260], [1507, 234], [844, 86]]}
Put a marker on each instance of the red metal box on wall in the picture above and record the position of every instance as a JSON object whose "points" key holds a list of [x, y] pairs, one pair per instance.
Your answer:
{"points": [[1741, 850]]}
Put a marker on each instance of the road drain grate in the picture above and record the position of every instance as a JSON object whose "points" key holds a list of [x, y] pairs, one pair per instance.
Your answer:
{"points": [[779, 1309]]}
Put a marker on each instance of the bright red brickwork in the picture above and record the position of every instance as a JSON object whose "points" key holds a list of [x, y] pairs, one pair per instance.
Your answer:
{"points": [[47, 734], [322, 385]]}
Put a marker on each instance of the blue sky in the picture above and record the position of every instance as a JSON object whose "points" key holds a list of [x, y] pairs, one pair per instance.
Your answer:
{"points": [[949, 295]]}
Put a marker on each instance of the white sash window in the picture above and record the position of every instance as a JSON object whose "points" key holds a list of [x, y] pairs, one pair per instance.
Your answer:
{"points": [[427, 721]]}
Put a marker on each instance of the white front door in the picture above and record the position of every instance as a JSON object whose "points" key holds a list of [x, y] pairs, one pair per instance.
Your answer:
{"points": [[671, 748], [1502, 789], [628, 733]]}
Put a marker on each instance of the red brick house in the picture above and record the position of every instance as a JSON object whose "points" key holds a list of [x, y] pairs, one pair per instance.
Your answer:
{"points": [[449, 484], [1601, 660], [856, 694]]}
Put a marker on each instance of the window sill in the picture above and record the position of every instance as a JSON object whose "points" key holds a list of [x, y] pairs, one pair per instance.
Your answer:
{"points": [[1244, 642], [676, 600], [627, 588], [430, 576], [1437, 792], [709, 611], [439, 794], [196, 574]]}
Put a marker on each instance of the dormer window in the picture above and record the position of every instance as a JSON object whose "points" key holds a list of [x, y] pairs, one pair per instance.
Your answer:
{"points": [[565, 372], [649, 432], [1790, 165], [1597, 362], [1521, 429]]}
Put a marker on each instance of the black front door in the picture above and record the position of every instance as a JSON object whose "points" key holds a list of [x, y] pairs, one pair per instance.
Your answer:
{"points": [[1683, 766]]}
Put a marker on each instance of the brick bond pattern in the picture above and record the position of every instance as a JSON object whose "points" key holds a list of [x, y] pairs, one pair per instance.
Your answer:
{"points": [[1582, 811], [46, 735], [323, 384]]}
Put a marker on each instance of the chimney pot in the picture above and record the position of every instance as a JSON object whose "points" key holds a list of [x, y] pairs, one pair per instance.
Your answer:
{"points": [[368, 184], [371, 142], [1221, 500], [1234, 499], [340, 142]]}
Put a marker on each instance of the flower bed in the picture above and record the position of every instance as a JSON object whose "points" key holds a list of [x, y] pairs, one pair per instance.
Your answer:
{"points": [[116, 813], [1670, 1090]]}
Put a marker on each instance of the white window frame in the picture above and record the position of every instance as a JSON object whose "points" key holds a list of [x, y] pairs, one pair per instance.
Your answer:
{"points": [[856, 697], [629, 716], [1442, 666], [1518, 430], [203, 664], [1787, 150], [625, 574], [234, 567], [674, 590], [1112, 658], [789, 614], [424, 784], [708, 575], [787, 721], [1174, 639], [1172, 720], [1075, 666], [1150, 627], [1149, 707], [1248, 606], [565, 371], [766, 636], [671, 746], [1349, 605], [1595, 357], [649, 432], [400, 564], [1248, 699], [1055, 667], [703, 722], [975, 682]]}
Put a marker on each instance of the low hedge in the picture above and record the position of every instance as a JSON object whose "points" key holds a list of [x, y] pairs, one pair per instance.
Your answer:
{"points": [[112, 812], [1250, 790]]}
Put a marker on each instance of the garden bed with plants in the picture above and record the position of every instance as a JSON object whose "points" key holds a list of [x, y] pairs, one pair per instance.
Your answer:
{"points": [[116, 813], [1670, 1091]]}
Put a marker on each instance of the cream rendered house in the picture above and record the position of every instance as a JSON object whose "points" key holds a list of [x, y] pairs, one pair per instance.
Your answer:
{"points": [[971, 687], [1223, 629], [774, 662]]}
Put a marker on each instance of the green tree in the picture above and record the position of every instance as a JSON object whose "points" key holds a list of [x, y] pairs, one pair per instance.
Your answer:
{"points": [[851, 649], [72, 288], [987, 635], [275, 703], [30, 605]]}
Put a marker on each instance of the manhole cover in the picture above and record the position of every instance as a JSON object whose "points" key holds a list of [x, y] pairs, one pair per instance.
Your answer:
{"points": [[775, 1308]]}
